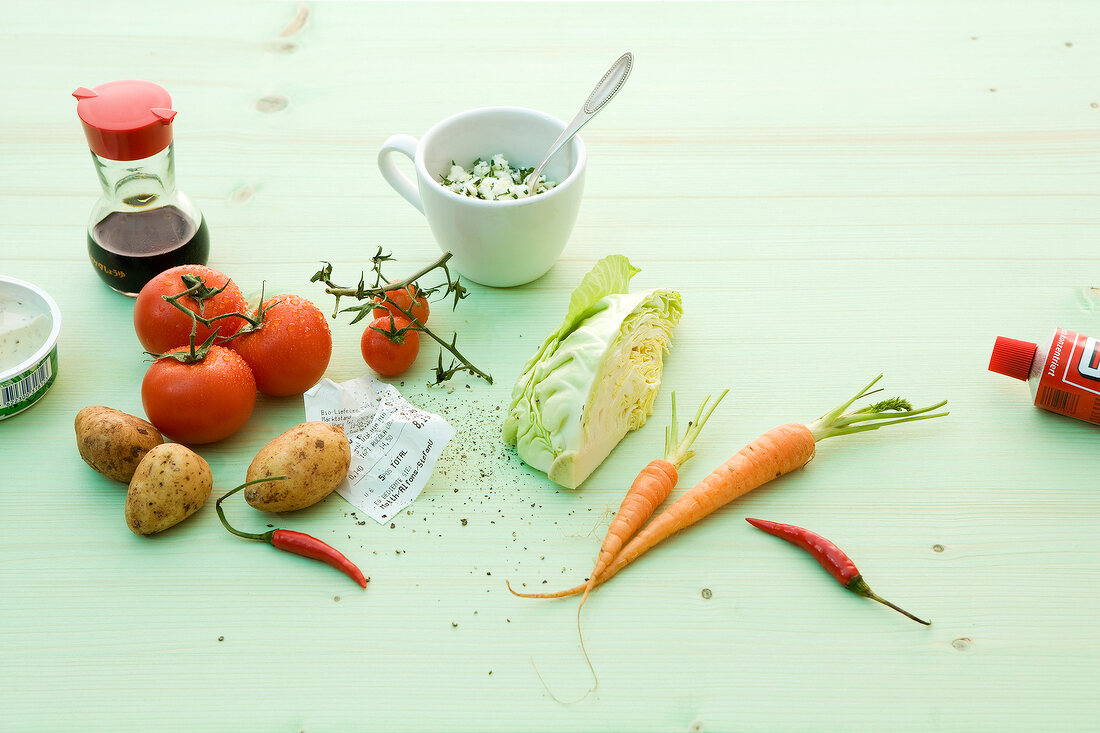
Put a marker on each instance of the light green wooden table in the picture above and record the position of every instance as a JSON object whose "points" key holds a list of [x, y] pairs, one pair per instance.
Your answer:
{"points": [[837, 189]]}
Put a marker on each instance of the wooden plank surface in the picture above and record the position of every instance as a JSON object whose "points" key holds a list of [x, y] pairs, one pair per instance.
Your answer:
{"points": [[837, 189]]}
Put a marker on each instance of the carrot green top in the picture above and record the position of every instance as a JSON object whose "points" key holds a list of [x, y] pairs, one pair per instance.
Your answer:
{"points": [[839, 421]]}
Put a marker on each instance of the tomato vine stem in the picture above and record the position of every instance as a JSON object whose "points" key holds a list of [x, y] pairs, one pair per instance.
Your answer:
{"points": [[378, 297], [197, 290]]}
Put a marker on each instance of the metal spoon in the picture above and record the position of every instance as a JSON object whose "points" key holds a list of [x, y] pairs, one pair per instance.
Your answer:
{"points": [[608, 87]]}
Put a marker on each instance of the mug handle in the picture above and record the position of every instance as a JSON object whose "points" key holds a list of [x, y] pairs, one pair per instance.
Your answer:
{"points": [[406, 145]]}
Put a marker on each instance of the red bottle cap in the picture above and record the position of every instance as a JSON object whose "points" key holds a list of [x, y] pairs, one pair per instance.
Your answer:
{"points": [[1012, 358], [126, 120]]}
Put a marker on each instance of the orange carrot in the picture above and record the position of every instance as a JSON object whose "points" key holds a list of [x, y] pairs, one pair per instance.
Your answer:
{"points": [[651, 487], [649, 490], [775, 453]]}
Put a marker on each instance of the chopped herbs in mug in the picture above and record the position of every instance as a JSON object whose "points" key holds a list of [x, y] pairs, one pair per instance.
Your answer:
{"points": [[493, 180]]}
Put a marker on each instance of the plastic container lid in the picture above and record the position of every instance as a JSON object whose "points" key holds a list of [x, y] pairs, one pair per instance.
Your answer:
{"points": [[126, 120], [1012, 358]]}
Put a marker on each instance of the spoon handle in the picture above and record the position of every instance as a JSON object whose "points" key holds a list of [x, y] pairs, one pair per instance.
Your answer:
{"points": [[604, 92]]}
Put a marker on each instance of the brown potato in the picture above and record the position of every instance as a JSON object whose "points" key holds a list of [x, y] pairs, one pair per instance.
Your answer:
{"points": [[112, 442], [314, 456], [170, 484]]}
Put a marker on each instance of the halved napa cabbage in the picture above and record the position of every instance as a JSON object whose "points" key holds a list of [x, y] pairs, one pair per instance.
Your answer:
{"points": [[595, 378]]}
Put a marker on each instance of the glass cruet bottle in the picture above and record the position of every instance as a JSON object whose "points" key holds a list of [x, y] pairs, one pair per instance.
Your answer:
{"points": [[142, 224]]}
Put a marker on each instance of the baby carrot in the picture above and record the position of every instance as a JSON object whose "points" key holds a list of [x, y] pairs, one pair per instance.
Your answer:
{"points": [[775, 453], [651, 487]]}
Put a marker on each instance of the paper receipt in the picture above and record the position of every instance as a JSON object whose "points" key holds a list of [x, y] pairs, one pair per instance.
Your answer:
{"points": [[394, 445]]}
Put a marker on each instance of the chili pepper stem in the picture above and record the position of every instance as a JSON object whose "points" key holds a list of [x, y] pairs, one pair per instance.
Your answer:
{"points": [[262, 536], [859, 586]]}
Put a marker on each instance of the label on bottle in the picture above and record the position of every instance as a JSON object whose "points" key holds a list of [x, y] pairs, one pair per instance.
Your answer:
{"points": [[1070, 384]]}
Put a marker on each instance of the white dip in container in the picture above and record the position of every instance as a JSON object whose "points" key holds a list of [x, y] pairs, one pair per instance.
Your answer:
{"points": [[30, 323]]}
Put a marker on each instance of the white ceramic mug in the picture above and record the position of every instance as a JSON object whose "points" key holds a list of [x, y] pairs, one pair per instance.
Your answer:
{"points": [[497, 243]]}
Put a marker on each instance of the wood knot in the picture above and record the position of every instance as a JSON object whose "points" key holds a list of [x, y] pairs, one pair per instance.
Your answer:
{"points": [[272, 103], [281, 46], [242, 194]]}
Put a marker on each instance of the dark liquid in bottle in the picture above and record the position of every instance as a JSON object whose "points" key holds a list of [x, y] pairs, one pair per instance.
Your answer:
{"points": [[129, 248]]}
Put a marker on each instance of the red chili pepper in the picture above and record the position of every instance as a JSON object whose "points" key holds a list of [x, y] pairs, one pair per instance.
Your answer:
{"points": [[303, 544], [830, 557], [295, 542]]}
